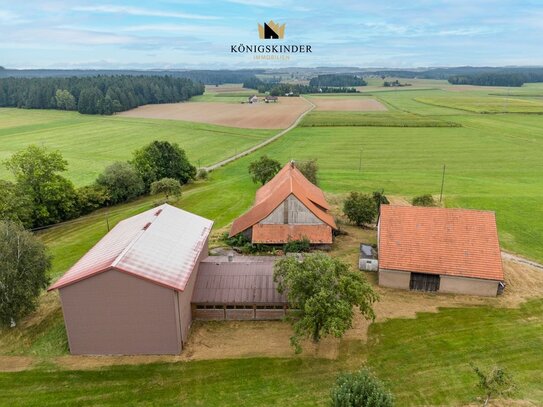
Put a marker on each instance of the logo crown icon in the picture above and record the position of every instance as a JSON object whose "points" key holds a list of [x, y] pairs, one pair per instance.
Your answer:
{"points": [[271, 31]]}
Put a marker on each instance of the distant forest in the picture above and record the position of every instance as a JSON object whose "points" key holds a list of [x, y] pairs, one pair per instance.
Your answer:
{"points": [[209, 77], [280, 89], [468, 75], [341, 80], [95, 95]]}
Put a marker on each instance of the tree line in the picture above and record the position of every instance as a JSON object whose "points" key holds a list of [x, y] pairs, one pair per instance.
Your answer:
{"points": [[95, 95], [40, 195], [498, 79], [339, 80], [293, 89]]}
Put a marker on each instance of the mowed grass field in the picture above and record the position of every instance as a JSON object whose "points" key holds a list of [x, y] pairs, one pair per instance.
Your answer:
{"points": [[487, 104], [493, 162], [90, 143]]}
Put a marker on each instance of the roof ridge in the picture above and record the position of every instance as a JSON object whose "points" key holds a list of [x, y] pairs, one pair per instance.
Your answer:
{"points": [[145, 227]]}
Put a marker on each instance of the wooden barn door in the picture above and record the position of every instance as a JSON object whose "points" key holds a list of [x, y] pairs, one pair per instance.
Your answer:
{"points": [[424, 282]]}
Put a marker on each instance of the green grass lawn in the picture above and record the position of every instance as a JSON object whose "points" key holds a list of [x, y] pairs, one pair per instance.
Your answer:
{"points": [[90, 143], [425, 361]]}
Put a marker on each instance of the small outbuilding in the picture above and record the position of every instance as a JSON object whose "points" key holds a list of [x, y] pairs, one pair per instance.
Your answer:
{"points": [[439, 249], [288, 207], [131, 293], [237, 288], [252, 99], [270, 98], [368, 258]]}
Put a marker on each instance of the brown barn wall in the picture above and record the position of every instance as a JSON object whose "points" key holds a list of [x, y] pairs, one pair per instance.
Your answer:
{"points": [[472, 286], [185, 297], [116, 313], [240, 314], [394, 279]]}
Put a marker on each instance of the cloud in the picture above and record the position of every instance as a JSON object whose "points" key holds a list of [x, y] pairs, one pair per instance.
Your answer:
{"points": [[137, 11]]}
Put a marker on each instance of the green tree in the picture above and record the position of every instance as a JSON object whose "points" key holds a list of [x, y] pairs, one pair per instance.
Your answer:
{"points": [[122, 182], [24, 263], [90, 101], [310, 169], [161, 159], [52, 197], [424, 200], [92, 197], [168, 187], [360, 389], [264, 169], [380, 199], [359, 208], [64, 100], [14, 205], [325, 291], [496, 382]]}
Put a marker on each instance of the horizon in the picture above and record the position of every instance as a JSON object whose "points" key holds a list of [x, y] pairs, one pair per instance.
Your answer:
{"points": [[182, 34]]}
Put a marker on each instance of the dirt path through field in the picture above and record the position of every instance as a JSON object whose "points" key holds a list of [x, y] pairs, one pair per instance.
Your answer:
{"points": [[265, 142]]}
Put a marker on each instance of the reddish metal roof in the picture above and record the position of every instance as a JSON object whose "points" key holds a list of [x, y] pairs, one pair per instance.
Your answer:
{"points": [[243, 281], [287, 181], [275, 234], [160, 245], [456, 242]]}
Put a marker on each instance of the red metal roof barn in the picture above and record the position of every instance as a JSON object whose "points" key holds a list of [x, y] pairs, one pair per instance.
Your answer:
{"points": [[439, 249], [287, 207], [131, 293]]}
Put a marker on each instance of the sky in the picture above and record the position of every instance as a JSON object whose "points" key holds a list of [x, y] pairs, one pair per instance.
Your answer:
{"points": [[179, 34]]}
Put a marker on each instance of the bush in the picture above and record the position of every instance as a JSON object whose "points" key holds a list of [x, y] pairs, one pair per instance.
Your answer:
{"points": [[297, 246], [92, 197], [360, 389], [24, 263], [424, 200], [360, 208], [122, 182], [166, 186], [202, 174], [309, 169]]}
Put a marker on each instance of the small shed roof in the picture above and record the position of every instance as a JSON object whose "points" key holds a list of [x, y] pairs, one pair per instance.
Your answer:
{"points": [[367, 252], [456, 242], [246, 280], [161, 245]]}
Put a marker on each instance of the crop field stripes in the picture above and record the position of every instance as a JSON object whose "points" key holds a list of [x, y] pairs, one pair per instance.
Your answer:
{"points": [[359, 119], [486, 105]]}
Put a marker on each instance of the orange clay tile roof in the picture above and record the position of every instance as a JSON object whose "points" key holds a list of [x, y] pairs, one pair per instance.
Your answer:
{"points": [[455, 242], [275, 234], [287, 181]]}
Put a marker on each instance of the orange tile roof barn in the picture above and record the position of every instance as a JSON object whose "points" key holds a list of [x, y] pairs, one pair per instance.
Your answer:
{"points": [[287, 207], [451, 243]]}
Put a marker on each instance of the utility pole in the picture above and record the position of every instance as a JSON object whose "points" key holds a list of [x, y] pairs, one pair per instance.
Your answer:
{"points": [[442, 183]]}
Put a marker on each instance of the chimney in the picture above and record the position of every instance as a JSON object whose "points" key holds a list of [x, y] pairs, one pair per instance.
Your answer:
{"points": [[292, 163], [230, 257]]}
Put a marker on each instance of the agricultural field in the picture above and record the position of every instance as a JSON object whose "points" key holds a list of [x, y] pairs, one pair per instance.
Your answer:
{"points": [[90, 143], [259, 115], [487, 104], [395, 119], [347, 104], [421, 344]]}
